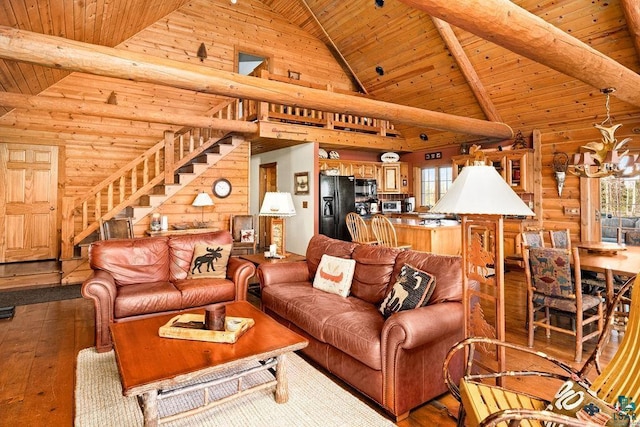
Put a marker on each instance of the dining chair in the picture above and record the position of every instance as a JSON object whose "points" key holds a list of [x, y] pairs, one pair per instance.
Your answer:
{"points": [[485, 402], [385, 232], [358, 229], [116, 228], [632, 238], [560, 238], [552, 284], [533, 239]]}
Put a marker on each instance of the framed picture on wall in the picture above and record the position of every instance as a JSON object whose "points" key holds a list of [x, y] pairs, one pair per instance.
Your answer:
{"points": [[301, 183]]}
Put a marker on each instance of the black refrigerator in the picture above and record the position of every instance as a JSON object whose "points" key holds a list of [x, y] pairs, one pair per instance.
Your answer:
{"points": [[337, 199]]}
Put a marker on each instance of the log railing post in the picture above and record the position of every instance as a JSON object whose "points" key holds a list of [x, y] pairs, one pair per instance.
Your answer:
{"points": [[67, 227], [168, 156]]}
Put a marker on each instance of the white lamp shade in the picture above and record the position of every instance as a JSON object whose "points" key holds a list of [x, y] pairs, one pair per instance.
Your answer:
{"points": [[480, 190], [277, 204], [202, 199]]}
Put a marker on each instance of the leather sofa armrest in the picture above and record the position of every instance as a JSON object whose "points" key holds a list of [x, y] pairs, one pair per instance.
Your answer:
{"points": [[283, 272], [239, 272], [101, 288], [412, 328]]}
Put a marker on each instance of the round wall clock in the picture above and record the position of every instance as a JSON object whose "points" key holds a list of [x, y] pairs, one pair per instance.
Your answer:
{"points": [[222, 188]]}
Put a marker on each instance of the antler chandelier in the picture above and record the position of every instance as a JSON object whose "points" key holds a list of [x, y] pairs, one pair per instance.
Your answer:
{"points": [[603, 158]]}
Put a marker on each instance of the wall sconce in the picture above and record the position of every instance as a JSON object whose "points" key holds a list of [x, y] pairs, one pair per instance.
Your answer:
{"points": [[202, 52], [560, 165]]}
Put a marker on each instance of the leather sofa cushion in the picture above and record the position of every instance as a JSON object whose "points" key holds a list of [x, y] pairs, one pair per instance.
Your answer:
{"points": [[374, 272], [199, 292], [181, 250], [320, 245], [447, 270], [132, 261], [350, 324], [145, 298]]}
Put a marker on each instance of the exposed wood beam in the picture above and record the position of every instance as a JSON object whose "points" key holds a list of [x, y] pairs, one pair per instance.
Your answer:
{"points": [[474, 82], [631, 9], [512, 27], [92, 108], [334, 48], [56, 52]]}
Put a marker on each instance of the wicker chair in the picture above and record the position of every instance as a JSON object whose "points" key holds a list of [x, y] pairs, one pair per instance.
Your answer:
{"points": [[485, 404]]}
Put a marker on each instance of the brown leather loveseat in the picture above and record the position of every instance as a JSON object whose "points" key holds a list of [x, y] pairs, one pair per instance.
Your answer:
{"points": [[396, 361], [141, 277]]}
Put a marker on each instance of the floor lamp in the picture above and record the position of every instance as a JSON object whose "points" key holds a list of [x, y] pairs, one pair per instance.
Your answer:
{"points": [[482, 197], [278, 206]]}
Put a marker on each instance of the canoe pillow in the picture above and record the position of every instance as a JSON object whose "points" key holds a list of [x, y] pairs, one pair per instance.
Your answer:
{"points": [[334, 275]]}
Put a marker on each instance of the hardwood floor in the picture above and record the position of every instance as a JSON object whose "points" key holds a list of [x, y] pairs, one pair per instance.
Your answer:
{"points": [[38, 349]]}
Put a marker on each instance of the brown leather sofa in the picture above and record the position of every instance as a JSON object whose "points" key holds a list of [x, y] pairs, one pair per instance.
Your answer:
{"points": [[142, 277], [397, 362]]}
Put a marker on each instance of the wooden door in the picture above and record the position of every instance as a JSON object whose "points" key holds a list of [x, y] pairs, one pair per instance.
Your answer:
{"points": [[268, 182], [28, 200]]}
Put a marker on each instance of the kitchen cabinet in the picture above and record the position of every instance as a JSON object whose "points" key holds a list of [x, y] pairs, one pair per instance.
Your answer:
{"points": [[393, 178], [368, 170], [515, 167], [390, 178]]}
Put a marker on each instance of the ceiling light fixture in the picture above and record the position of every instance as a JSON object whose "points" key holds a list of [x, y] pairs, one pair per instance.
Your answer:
{"points": [[603, 158], [380, 70], [424, 137], [379, 3]]}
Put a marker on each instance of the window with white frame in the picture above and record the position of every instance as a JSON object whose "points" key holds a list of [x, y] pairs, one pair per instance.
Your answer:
{"points": [[434, 183]]}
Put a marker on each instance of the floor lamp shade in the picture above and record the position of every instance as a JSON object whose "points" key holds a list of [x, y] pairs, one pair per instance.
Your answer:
{"points": [[481, 196], [277, 205]]}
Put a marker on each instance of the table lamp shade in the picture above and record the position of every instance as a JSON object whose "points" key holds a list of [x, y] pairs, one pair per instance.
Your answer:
{"points": [[202, 199], [480, 190], [277, 204]]}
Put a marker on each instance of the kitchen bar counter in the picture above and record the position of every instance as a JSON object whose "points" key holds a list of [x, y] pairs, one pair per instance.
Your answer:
{"points": [[444, 239]]}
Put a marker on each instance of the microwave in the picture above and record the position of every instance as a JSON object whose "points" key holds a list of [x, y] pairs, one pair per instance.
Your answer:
{"points": [[392, 206]]}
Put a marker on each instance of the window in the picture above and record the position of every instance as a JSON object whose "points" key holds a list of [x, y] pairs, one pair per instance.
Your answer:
{"points": [[620, 206], [434, 183]]}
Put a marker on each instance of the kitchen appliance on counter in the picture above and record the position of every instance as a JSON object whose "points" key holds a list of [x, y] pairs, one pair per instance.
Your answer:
{"points": [[392, 206], [409, 204], [337, 199], [373, 208]]}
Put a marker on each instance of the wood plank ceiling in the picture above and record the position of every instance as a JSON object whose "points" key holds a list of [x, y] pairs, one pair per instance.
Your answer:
{"points": [[419, 69]]}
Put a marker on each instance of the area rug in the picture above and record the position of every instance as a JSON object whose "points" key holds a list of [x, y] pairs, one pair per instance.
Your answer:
{"points": [[314, 400], [35, 296]]}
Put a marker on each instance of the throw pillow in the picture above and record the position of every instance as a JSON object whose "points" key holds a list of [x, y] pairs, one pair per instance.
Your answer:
{"points": [[247, 235], [412, 289], [334, 275], [575, 400], [209, 261]]}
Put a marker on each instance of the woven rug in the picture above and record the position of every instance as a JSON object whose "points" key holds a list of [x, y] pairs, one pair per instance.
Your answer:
{"points": [[314, 400]]}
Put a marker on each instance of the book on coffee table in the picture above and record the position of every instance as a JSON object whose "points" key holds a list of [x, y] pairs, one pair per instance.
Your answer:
{"points": [[191, 327]]}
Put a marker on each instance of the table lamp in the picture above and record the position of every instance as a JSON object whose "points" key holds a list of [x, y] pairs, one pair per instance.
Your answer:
{"points": [[202, 199], [482, 197], [277, 205]]}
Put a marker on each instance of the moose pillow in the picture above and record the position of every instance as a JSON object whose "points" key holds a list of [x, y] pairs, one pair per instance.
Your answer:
{"points": [[209, 261]]}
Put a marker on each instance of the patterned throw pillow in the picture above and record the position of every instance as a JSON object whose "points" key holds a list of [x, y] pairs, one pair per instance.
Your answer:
{"points": [[247, 235], [575, 400], [334, 275], [412, 289], [209, 261]]}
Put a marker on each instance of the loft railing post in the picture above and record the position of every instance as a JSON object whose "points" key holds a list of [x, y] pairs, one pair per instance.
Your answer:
{"points": [[168, 157], [67, 228]]}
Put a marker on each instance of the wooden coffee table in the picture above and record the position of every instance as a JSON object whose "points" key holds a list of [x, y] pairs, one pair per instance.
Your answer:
{"points": [[153, 368]]}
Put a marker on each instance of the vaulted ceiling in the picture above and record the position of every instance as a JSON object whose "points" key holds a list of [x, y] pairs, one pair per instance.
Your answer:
{"points": [[396, 53]]}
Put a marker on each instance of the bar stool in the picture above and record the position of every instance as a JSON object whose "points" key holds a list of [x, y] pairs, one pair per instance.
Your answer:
{"points": [[385, 232]]}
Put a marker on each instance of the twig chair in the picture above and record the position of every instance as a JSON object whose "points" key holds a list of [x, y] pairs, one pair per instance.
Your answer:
{"points": [[385, 232], [560, 239], [532, 239], [486, 404], [552, 284], [358, 229]]}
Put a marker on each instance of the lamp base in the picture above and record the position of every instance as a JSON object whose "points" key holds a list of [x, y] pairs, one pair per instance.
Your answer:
{"points": [[278, 235]]}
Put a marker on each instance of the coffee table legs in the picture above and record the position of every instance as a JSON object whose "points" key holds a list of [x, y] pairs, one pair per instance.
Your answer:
{"points": [[282, 386], [150, 408]]}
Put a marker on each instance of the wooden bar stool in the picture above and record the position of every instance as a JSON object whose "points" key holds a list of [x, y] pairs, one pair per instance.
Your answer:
{"points": [[385, 232]]}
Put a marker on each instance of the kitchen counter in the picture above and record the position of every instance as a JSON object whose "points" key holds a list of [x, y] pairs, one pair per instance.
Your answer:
{"points": [[438, 236]]}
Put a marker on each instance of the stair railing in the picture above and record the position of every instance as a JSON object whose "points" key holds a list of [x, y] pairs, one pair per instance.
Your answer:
{"points": [[135, 179]]}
